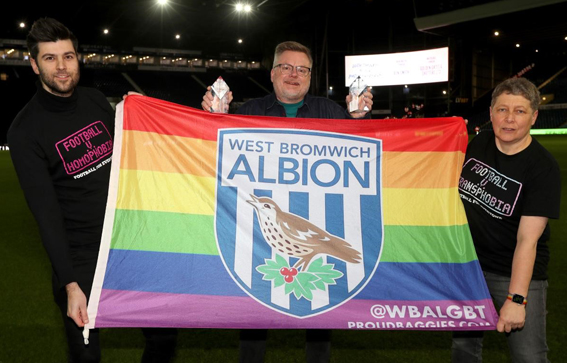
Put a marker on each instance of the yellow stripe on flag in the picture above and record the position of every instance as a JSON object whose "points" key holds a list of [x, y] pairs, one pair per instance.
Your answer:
{"points": [[422, 207], [184, 193], [168, 153], [165, 192]]}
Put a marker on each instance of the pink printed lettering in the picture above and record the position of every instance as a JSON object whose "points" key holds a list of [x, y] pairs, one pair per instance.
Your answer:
{"points": [[85, 147]]}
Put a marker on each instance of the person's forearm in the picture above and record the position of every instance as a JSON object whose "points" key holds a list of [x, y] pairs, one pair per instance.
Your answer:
{"points": [[47, 213], [522, 267], [529, 232]]}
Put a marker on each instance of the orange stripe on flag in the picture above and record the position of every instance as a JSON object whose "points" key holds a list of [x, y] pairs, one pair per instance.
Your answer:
{"points": [[421, 169], [167, 153]]}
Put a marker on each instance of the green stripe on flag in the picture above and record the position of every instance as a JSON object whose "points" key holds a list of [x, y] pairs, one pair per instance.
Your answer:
{"points": [[193, 233], [164, 232], [450, 244]]}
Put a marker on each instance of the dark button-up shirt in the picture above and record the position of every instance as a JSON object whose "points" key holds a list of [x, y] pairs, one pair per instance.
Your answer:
{"points": [[313, 107]]}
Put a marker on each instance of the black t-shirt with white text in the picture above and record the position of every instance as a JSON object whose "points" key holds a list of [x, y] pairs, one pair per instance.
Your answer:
{"points": [[497, 190]]}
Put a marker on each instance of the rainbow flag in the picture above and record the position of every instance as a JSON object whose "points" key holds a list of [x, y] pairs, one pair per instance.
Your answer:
{"points": [[225, 221]]}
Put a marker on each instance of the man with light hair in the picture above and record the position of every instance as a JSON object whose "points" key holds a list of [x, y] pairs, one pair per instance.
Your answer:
{"points": [[291, 78]]}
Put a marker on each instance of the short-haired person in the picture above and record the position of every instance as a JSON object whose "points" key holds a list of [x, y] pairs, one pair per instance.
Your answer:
{"points": [[291, 77], [61, 148], [510, 185]]}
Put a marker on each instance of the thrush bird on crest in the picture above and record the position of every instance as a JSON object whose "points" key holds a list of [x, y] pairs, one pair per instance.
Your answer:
{"points": [[294, 236]]}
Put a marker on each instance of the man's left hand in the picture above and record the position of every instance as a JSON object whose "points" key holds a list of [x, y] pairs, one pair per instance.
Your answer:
{"points": [[364, 101]]}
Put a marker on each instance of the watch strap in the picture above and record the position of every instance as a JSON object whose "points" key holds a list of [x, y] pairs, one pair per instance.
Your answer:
{"points": [[518, 299]]}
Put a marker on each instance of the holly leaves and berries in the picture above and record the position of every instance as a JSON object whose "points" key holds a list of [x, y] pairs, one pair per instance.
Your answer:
{"points": [[301, 283]]}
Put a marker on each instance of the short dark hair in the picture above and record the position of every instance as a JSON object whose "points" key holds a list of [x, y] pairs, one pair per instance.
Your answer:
{"points": [[48, 30], [518, 87], [293, 47]]}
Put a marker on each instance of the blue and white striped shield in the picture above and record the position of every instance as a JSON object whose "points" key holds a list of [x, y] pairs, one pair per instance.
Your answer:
{"points": [[298, 217]]}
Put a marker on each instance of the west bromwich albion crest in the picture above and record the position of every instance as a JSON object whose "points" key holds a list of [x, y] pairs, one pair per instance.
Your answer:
{"points": [[298, 217]]}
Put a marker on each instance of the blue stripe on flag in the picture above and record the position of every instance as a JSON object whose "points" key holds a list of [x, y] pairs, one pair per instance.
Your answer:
{"points": [[206, 275], [261, 252], [299, 205], [178, 273], [228, 227], [335, 224]]}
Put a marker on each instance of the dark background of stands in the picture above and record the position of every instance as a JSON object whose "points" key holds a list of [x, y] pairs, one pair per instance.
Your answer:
{"points": [[478, 60]]}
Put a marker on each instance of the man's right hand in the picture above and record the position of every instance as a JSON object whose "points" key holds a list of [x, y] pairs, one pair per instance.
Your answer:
{"points": [[76, 304], [208, 98], [512, 317], [131, 93]]}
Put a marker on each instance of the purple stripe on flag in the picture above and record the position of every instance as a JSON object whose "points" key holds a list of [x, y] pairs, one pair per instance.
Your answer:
{"points": [[146, 309]]}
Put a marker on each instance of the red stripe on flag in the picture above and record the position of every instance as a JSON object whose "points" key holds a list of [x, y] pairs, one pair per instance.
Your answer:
{"points": [[432, 134]]}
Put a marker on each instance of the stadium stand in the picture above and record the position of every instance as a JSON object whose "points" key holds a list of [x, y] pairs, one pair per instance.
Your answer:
{"points": [[110, 82], [185, 88], [16, 89], [186, 85], [173, 85]]}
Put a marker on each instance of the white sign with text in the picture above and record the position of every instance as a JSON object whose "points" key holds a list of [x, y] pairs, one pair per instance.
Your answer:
{"points": [[425, 66]]}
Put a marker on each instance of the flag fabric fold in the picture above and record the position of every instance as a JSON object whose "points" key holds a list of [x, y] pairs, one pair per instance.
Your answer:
{"points": [[226, 221]]}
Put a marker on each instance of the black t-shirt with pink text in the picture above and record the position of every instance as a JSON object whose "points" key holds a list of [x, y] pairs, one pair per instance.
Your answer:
{"points": [[61, 148], [497, 190]]}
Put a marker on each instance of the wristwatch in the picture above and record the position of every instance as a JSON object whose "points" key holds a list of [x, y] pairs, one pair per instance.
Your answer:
{"points": [[518, 299]]}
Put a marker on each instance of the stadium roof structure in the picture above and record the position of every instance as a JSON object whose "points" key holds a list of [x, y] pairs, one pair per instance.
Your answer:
{"points": [[354, 26], [533, 24]]}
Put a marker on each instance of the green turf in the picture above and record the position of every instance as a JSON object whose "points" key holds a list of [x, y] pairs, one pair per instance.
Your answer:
{"points": [[30, 329]]}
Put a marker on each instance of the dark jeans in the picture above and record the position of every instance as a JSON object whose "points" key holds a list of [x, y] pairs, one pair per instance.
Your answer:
{"points": [[253, 345], [527, 345], [160, 342]]}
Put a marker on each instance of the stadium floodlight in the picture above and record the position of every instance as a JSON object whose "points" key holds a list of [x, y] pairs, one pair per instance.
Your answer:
{"points": [[162, 2], [240, 7]]}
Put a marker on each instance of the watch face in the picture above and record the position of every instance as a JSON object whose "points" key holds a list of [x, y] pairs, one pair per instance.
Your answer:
{"points": [[518, 299]]}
